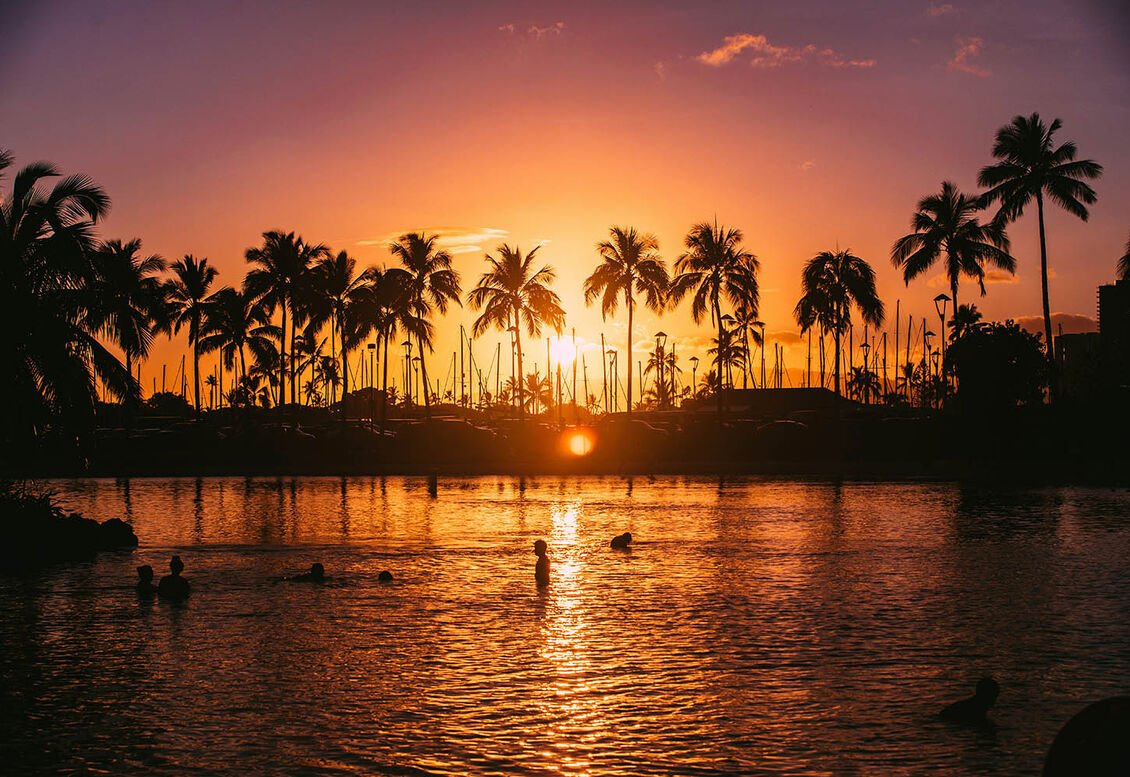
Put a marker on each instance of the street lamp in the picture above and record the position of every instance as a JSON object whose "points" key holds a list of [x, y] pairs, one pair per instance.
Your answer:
{"points": [[940, 303], [866, 348], [660, 341], [694, 371], [372, 347], [407, 344]]}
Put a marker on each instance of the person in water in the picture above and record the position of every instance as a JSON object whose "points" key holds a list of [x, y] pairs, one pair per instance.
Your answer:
{"points": [[541, 569], [973, 711], [317, 574], [145, 586], [172, 586], [385, 576], [622, 541]]}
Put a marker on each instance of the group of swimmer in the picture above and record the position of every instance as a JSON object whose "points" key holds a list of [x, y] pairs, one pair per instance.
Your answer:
{"points": [[541, 550], [174, 588]]}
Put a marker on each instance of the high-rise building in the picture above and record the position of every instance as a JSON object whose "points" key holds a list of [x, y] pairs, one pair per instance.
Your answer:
{"points": [[1114, 330]]}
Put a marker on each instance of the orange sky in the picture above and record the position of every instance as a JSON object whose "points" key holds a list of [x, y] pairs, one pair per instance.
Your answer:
{"points": [[805, 124]]}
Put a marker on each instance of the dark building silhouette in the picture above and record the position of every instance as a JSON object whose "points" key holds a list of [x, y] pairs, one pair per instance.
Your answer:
{"points": [[1114, 330]]}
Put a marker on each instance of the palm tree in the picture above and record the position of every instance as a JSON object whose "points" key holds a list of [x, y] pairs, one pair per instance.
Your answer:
{"points": [[236, 321], [50, 354], [538, 391], [1124, 264], [511, 295], [729, 355], [750, 327], [339, 283], [127, 297], [715, 265], [1030, 166], [833, 283], [945, 224], [280, 278], [630, 264], [187, 297], [211, 382], [964, 318], [429, 282], [382, 306]]}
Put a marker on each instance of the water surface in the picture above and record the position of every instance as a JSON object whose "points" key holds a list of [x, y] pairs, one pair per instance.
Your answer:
{"points": [[756, 626]]}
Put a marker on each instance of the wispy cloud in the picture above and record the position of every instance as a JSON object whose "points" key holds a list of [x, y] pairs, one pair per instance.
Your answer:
{"points": [[965, 56], [456, 240], [940, 281], [763, 54], [661, 71], [940, 9], [1072, 323], [806, 165], [533, 31]]}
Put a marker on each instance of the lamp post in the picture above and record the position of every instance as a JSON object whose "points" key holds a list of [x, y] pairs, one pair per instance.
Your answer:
{"points": [[613, 367], [866, 348], [694, 372], [660, 341], [416, 373], [372, 348], [940, 303], [407, 344]]}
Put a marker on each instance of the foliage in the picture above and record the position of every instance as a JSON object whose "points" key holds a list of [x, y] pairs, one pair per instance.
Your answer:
{"points": [[998, 366]]}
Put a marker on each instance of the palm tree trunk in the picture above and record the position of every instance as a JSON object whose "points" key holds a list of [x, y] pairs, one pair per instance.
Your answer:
{"points": [[196, 370], [628, 294], [293, 393], [424, 376], [721, 352], [282, 359], [384, 380], [521, 379], [1044, 276], [836, 370]]}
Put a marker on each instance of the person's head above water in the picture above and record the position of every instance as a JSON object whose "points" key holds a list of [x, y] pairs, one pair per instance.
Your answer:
{"points": [[385, 576], [145, 573], [540, 548], [317, 571], [176, 565], [987, 692]]}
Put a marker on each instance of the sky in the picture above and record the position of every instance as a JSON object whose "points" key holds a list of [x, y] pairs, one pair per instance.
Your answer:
{"points": [[808, 125]]}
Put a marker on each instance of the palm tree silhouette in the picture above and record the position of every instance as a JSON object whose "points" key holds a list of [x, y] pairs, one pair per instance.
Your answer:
{"points": [[1030, 166], [630, 264], [511, 295], [748, 324], [944, 224], [964, 318], [50, 354], [187, 295], [833, 282], [1124, 264], [715, 265], [383, 306], [430, 282], [235, 321], [127, 297], [729, 355], [280, 278], [337, 284]]}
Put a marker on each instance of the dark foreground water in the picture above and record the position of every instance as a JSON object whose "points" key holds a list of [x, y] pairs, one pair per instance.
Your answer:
{"points": [[756, 626]]}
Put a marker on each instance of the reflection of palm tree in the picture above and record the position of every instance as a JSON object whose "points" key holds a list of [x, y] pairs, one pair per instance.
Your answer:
{"points": [[187, 298], [236, 321], [716, 265], [127, 297], [630, 264], [964, 318], [280, 278], [1030, 166], [510, 295], [1124, 264], [944, 224], [833, 283], [430, 282]]}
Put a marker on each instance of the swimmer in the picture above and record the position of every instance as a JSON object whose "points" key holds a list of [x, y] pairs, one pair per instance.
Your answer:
{"points": [[317, 574], [622, 541], [541, 569], [145, 587], [972, 711], [172, 586], [385, 577]]}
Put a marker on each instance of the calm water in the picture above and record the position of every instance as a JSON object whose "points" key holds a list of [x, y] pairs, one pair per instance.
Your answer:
{"points": [[756, 626]]}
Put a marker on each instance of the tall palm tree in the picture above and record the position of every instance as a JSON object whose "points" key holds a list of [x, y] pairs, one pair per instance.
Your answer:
{"points": [[50, 354], [280, 278], [945, 225], [338, 282], [715, 265], [512, 295], [127, 296], [430, 282], [383, 306], [1124, 264], [1029, 166], [235, 322], [834, 282], [630, 265], [186, 295], [747, 323]]}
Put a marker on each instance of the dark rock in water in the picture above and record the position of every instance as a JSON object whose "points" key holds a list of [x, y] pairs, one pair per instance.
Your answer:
{"points": [[621, 541], [35, 532], [116, 533]]}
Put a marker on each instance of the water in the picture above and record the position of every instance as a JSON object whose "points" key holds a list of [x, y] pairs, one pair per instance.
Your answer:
{"points": [[756, 626]]}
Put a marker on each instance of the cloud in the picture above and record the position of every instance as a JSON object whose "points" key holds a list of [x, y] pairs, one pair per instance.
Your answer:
{"points": [[785, 337], [940, 281], [532, 31], [661, 71], [807, 165], [1000, 276], [935, 10], [456, 240], [1072, 323], [764, 54], [968, 50]]}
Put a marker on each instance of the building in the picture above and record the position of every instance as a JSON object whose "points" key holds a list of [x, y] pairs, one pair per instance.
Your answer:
{"points": [[1114, 331]]}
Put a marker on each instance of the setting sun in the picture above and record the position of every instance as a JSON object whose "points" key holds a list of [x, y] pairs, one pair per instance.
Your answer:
{"points": [[579, 442], [563, 350]]}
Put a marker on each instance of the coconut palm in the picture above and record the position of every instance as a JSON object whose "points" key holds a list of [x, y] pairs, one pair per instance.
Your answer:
{"points": [[50, 355], [731, 355], [716, 266], [280, 277], [964, 318], [383, 306], [1030, 166], [186, 295], [430, 282], [127, 297], [630, 265], [945, 225], [337, 284], [512, 295], [747, 323], [235, 322], [834, 282], [1124, 264]]}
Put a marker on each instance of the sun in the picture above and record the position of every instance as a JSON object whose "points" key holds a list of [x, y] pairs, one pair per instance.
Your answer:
{"points": [[579, 441], [562, 350]]}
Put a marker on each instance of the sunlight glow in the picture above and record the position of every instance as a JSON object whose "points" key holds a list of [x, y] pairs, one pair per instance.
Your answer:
{"points": [[579, 441], [562, 351]]}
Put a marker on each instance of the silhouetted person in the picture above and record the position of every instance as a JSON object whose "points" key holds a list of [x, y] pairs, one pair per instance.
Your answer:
{"points": [[541, 569], [622, 541], [385, 576], [972, 711], [317, 574], [1094, 743], [145, 586], [172, 586]]}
